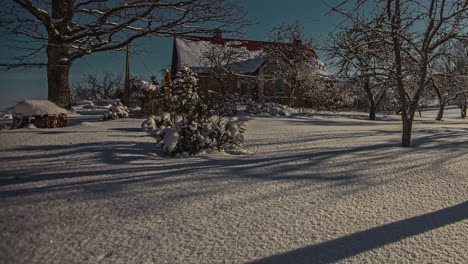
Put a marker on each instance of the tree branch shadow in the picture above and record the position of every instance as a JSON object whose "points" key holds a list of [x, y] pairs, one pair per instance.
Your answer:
{"points": [[351, 245]]}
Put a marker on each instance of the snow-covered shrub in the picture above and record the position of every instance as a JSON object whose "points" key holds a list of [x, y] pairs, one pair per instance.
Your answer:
{"points": [[188, 100], [118, 110], [235, 105], [188, 138], [322, 95], [194, 128], [154, 122]]}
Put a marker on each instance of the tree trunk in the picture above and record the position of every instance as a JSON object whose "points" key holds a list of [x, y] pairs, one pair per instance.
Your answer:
{"points": [[58, 84], [463, 111], [406, 136], [58, 66], [372, 111], [407, 119], [442, 102], [370, 97], [440, 114]]}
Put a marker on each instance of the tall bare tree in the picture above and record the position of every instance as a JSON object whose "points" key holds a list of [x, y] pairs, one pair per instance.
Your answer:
{"points": [[96, 87], [361, 59], [416, 30], [450, 76], [71, 29]]}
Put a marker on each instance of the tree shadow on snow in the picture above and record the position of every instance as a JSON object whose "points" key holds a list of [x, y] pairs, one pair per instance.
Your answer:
{"points": [[129, 162], [351, 245]]}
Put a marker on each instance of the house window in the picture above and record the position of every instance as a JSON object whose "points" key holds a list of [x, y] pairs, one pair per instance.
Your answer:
{"points": [[244, 89], [280, 86]]}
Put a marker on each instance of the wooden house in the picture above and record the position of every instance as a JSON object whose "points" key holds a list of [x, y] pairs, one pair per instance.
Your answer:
{"points": [[248, 70]]}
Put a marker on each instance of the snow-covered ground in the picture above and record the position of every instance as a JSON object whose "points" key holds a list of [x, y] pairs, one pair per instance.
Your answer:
{"points": [[314, 188]]}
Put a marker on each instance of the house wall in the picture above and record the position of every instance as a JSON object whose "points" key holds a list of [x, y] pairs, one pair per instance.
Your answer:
{"points": [[259, 90]]}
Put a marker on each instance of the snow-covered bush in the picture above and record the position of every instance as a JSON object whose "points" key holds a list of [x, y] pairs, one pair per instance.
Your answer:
{"points": [[194, 128], [188, 138], [157, 122], [235, 105], [118, 110]]}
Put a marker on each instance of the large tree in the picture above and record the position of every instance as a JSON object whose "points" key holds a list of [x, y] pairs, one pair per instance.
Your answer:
{"points": [[71, 29], [416, 31]]}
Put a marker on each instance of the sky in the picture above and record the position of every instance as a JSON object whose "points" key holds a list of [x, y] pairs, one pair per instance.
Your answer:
{"points": [[154, 55]]}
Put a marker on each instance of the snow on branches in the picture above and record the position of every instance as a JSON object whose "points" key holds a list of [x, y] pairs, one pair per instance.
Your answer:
{"points": [[194, 128], [118, 110]]}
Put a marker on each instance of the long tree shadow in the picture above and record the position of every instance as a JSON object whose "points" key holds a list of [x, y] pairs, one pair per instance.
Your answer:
{"points": [[351, 245], [139, 167]]}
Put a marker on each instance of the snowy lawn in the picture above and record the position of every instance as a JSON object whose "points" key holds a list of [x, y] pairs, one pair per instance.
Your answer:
{"points": [[313, 189]]}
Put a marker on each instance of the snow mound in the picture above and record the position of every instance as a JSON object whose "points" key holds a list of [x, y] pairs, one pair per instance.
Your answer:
{"points": [[84, 102], [85, 124], [37, 107]]}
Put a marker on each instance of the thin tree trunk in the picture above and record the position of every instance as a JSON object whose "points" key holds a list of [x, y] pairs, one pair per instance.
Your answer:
{"points": [[463, 111], [442, 103], [372, 111], [440, 114], [406, 112], [370, 97], [407, 128]]}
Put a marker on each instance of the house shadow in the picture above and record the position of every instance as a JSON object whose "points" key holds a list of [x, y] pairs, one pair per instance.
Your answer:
{"points": [[351, 245]]}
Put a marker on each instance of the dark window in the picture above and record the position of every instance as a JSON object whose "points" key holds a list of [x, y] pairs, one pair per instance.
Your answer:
{"points": [[279, 86], [244, 89]]}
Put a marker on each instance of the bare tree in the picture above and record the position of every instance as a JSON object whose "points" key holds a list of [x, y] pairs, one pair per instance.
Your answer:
{"points": [[416, 30], [293, 60], [96, 87], [361, 59], [224, 61], [71, 29], [450, 76]]}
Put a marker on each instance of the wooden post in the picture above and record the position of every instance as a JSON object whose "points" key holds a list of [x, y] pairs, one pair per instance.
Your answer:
{"points": [[127, 77]]}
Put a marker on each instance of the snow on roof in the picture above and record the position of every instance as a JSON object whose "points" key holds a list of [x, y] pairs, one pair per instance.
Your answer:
{"points": [[193, 52], [143, 85], [37, 107]]}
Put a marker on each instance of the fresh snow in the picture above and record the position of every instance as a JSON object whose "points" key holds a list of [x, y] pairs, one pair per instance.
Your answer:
{"points": [[192, 54], [37, 107], [143, 85], [313, 188]]}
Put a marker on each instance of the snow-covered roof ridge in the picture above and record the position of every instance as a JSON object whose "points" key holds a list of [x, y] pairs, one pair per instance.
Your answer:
{"points": [[37, 107], [193, 52]]}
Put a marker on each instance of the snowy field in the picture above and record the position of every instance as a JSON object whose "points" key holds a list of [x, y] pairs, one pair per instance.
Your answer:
{"points": [[315, 188]]}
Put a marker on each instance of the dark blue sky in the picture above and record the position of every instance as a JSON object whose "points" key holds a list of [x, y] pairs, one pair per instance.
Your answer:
{"points": [[16, 85]]}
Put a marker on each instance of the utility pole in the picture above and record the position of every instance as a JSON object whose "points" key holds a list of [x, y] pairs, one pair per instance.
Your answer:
{"points": [[127, 77]]}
